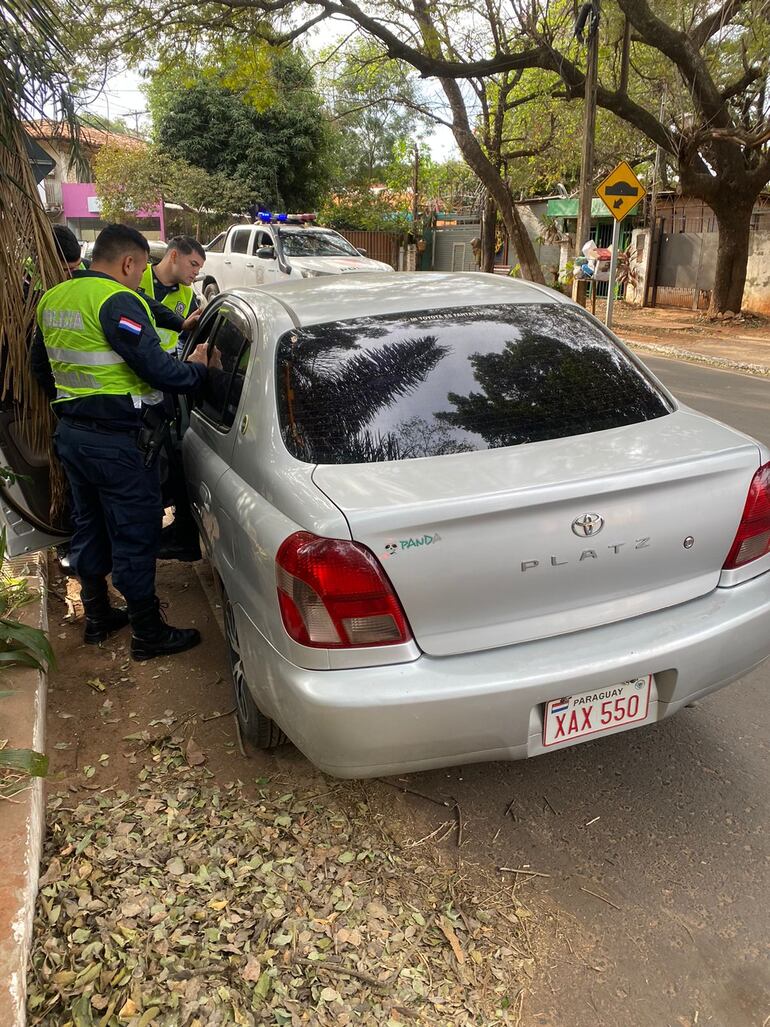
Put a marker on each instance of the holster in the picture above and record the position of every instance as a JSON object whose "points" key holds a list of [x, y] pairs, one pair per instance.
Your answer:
{"points": [[154, 432]]}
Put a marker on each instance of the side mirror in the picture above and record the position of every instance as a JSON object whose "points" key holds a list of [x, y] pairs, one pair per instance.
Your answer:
{"points": [[266, 253], [361, 251]]}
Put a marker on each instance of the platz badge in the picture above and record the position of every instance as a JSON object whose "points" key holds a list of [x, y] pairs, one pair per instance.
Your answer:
{"points": [[621, 190]]}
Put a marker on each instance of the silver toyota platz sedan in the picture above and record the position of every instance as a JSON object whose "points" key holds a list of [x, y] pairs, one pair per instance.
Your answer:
{"points": [[454, 519]]}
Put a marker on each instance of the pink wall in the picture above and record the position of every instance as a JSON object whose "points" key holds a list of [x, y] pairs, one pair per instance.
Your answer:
{"points": [[75, 197]]}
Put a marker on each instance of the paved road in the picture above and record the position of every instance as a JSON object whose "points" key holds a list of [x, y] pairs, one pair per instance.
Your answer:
{"points": [[736, 399], [666, 823]]}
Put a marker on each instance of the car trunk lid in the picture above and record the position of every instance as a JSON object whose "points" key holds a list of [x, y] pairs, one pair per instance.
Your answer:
{"points": [[496, 547]]}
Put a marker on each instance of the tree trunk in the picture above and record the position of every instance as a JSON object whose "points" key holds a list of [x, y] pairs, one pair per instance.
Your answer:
{"points": [[492, 180], [489, 236], [529, 265], [734, 221]]}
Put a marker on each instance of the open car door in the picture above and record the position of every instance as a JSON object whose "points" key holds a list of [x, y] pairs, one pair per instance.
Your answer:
{"points": [[25, 502]]}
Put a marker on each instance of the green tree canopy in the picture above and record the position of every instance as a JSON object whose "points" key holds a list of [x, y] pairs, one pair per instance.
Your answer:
{"points": [[371, 102], [279, 153], [134, 178]]}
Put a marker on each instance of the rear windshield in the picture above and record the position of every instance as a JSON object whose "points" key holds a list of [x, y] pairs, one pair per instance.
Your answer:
{"points": [[431, 383]]}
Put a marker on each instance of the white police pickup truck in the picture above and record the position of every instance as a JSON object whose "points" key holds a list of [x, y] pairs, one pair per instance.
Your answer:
{"points": [[277, 248]]}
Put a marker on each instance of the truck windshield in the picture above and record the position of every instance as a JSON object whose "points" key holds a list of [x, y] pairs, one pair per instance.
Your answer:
{"points": [[305, 242]]}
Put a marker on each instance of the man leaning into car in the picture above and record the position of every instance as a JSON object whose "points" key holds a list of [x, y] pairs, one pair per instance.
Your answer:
{"points": [[169, 283], [98, 357]]}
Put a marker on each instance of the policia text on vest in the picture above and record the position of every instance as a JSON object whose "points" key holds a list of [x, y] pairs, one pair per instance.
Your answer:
{"points": [[97, 355]]}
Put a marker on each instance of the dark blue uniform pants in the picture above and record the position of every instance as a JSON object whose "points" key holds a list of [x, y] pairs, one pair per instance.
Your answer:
{"points": [[116, 508]]}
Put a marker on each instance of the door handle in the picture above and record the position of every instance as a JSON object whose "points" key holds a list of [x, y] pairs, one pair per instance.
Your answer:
{"points": [[251, 265], [205, 497], [228, 261]]}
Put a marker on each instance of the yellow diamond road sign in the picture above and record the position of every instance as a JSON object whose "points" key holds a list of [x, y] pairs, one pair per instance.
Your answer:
{"points": [[621, 190]]}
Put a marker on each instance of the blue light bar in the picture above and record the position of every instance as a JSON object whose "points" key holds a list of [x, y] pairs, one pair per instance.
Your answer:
{"points": [[266, 218]]}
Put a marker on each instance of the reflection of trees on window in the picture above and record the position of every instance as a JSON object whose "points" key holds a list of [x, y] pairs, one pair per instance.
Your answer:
{"points": [[415, 437], [539, 388], [410, 439], [329, 403]]}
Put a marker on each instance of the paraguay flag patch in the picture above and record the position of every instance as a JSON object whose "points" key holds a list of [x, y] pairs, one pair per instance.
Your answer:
{"points": [[130, 326]]}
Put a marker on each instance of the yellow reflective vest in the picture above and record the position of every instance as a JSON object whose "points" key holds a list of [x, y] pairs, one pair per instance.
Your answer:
{"points": [[179, 300], [82, 361]]}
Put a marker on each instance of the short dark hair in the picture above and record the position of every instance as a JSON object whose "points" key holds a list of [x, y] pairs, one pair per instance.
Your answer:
{"points": [[115, 241], [187, 245], [66, 243]]}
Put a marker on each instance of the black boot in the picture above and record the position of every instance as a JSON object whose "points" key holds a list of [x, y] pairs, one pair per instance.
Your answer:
{"points": [[101, 618], [151, 636]]}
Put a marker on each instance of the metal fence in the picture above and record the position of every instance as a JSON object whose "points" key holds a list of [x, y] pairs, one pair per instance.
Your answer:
{"points": [[378, 245], [687, 217]]}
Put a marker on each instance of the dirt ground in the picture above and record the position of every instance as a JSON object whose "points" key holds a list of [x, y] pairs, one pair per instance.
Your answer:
{"points": [[97, 696], [745, 339]]}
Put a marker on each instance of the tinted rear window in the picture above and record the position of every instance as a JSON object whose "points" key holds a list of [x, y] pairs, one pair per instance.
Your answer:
{"points": [[428, 383]]}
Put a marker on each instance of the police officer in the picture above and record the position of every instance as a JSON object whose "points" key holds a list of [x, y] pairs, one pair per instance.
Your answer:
{"points": [[170, 284], [68, 248], [101, 357]]}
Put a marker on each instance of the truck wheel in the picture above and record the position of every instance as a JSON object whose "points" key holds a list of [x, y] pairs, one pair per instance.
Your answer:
{"points": [[260, 730], [210, 290]]}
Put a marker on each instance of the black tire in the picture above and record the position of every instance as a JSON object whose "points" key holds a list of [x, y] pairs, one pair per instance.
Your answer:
{"points": [[210, 290], [261, 731]]}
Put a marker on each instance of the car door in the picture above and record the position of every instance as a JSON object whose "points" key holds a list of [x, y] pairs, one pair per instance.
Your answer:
{"points": [[25, 495], [239, 260], [208, 441], [267, 270]]}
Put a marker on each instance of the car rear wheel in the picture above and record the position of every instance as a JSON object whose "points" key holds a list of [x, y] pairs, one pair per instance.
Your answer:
{"points": [[210, 290], [260, 730]]}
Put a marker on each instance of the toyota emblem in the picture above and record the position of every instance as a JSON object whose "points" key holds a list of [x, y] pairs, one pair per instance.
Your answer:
{"points": [[587, 525]]}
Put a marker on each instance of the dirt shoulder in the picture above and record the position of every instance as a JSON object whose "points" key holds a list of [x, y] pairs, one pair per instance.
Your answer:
{"points": [[741, 342], [185, 883]]}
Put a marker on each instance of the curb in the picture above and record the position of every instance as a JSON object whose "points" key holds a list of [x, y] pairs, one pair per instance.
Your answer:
{"points": [[22, 821], [719, 363]]}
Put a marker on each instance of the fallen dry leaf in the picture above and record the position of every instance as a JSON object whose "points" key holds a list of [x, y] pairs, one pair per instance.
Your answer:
{"points": [[193, 755], [449, 933]]}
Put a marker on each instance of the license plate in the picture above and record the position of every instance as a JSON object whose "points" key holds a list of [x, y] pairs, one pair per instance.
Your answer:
{"points": [[591, 713]]}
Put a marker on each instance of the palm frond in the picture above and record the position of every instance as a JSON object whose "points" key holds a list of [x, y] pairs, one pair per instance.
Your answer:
{"points": [[26, 761]]}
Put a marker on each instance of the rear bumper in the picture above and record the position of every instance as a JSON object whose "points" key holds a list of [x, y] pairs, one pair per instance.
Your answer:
{"points": [[484, 706]]}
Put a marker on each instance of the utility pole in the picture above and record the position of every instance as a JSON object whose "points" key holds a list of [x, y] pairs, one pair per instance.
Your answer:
{"points": [[415, 196], [589, 16], [415, 183], [652, 252], [135, 116]]}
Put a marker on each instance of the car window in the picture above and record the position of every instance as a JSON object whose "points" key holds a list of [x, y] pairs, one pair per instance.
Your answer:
{"points": [[261, 239], [240, 240], [310, 242], [230, 343], [217, 245], [436, 382], [202, 332]]}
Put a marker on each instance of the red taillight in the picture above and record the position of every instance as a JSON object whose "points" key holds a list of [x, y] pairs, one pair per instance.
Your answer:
{"points": [[334, 594], [753, 538]]}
